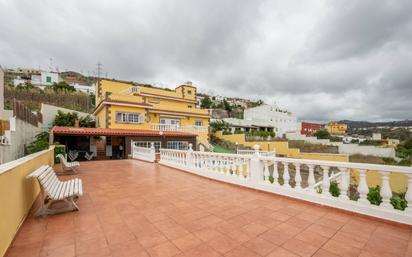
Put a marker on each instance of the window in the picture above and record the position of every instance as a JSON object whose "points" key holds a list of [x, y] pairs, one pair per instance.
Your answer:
{"points": [[179, 145], [189, 106], [189, 92], [129, 117], [198, 123], [48, 79], [148, 144]]}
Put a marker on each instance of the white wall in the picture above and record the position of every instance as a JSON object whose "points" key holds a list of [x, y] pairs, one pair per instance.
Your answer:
{"points": [[347, 148], [20, 134], [49, 112]]}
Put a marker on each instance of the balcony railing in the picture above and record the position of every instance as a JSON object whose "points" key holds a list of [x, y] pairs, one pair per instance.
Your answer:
{"points": [[304, 179], [144, 153], [251, 152], [173, 127]]}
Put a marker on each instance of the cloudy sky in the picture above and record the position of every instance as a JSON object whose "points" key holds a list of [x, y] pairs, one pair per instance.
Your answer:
{"points": [[321, 59]]}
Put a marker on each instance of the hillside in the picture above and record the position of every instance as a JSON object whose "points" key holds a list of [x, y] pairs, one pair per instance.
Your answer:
{"points": [[366, 124]]}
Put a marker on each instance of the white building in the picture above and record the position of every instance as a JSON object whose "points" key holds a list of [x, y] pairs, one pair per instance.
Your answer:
{"points": [[84, 88], [46, 78], [282, 120]]}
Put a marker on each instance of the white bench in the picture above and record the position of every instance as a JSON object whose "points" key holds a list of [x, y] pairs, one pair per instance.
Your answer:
{"points": [[55, 190], [67, 166]]}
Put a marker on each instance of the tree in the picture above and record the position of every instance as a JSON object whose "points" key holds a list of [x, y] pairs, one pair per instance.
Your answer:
{"points": [[65, 119], [206, 102], [227, 105], [322, 134], [62, 86], [86, 122]]}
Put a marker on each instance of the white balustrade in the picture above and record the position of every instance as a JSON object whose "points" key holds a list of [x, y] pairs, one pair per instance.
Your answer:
{"points": [[251, 152], [144, 153], [175, 127], [297, 178]]}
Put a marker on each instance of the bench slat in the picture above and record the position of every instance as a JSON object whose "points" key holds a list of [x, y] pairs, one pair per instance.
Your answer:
{"points": [[38, 171]]}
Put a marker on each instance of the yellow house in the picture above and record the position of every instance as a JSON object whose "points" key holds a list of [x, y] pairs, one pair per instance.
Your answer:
{"points": [[171, 114], [336, 128]]}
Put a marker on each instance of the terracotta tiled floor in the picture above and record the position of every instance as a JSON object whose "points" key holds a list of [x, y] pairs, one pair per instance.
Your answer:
{"points": [[133, 208]]}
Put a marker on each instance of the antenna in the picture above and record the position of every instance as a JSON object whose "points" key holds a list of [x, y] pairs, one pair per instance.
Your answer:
{"points": [[99, 69], [51, 63]]}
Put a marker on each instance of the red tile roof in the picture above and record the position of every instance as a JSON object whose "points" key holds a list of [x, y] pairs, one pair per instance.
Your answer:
{"points": [[116, 132]]}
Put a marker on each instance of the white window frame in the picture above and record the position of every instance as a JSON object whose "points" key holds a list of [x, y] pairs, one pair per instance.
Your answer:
{"points": [[129, 117], [178, 145]]}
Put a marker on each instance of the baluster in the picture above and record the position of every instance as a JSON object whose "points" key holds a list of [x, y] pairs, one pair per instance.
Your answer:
{"points": [[227, 171], [243, 168], [239, 172], [233, 167], [386, 191], [275, 173], [408, 194], [266, 173], [325, 180], [311, 178], [298, 177], [344, 183], [363, 188], [286, 176]]}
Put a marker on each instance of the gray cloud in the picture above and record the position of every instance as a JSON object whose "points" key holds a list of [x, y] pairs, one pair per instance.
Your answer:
{"points": [[322, 60]]}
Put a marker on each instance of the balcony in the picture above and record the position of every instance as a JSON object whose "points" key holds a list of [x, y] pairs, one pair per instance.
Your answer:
{"points": [[173, 127], [131, 208]]}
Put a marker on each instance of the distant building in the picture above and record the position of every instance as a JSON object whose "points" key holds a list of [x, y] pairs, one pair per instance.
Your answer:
{"points": [[308, 128], [392, 142], [40, 79], [336, 128], [376, 136], [46, 78], [84, 88], [273, 116]]}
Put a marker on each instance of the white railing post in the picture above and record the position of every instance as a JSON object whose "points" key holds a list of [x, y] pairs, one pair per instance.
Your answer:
{"points": [[344, 183], [298, 177], [386, 191], [256, 169], [286, 175], [153, 151], [266, 173], [363, 188], [275, 173], [311, 177], [325, 180], [408, 195], [189, 157]]}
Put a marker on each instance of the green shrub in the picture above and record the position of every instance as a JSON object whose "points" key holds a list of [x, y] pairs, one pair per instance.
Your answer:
{"points": [[334, 189], [219, 126], [59, 149], [41, 142], [374, 195], [398, 201], [322, 134], [227, 133], [65, 119]]}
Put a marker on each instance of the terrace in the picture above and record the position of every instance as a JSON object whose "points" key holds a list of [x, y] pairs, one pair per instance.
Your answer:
{"points": [[136, 208]]}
